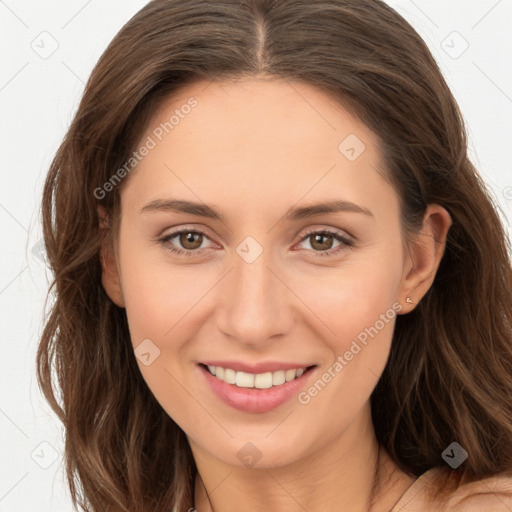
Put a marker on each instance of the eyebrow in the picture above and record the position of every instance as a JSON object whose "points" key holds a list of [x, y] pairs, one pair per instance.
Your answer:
{"points": [[293, 214]]}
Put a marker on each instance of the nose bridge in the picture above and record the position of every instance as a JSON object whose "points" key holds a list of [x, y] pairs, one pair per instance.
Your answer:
{"points": [[254, 303]]}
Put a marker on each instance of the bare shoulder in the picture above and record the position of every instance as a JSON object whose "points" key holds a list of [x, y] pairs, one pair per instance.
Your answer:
{"points": [[488, 494], [447, 490]]}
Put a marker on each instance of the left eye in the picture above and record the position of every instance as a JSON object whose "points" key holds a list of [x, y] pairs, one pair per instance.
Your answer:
{"points": [[323, 248]]}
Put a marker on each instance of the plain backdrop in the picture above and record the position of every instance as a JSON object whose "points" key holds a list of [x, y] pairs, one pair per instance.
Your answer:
{"points": [[48, 50]]}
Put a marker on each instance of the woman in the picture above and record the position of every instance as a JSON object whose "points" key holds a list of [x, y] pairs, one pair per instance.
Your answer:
{"points": [[280, 284]]}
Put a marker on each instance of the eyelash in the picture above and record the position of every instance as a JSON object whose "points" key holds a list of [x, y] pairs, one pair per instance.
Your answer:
{"points": [[345, 242]]}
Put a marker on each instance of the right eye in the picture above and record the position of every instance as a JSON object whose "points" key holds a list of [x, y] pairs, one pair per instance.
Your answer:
{"points": [[187, 238]]}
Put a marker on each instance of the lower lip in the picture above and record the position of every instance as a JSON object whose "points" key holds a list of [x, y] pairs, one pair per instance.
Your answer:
{"points": [[253, 399]]}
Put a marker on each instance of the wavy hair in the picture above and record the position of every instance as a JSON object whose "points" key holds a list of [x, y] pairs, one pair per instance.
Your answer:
{"points": [[449, 374]]}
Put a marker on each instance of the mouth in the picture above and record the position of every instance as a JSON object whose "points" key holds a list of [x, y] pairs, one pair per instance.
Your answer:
{"points": [[262, 380], [266, 387]]}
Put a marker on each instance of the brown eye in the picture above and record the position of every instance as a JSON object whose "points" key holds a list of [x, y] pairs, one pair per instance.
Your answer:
{"points": [[186, 242], [190, 240], [321, 241]]}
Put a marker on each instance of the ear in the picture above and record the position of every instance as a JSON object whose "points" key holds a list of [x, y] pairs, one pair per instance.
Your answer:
{"points": [[423, 256], [109, 271]]}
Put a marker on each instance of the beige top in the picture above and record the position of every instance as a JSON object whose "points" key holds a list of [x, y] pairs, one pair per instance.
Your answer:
{"points": [[456, 493]]}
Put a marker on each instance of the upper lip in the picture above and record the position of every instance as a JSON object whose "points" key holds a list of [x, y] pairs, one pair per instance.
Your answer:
{"points": [[263, 367]]}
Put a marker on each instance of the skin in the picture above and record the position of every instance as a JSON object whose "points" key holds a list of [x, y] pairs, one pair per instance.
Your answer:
{"points": [[252, 149]]}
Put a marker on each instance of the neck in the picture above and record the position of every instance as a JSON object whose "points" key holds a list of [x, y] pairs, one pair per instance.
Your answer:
{"points": [[350, 472]]}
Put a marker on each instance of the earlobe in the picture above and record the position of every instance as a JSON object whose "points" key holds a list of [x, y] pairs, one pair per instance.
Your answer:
{"points": [[424, 256], [109, 271]]}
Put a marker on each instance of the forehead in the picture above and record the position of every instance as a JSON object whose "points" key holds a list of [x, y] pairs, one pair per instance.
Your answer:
{"points": [[249, 111], [255, 142]]}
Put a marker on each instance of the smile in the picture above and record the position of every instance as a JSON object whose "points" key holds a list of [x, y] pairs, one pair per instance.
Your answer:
{"points": [[256, 388], [250, 380]]}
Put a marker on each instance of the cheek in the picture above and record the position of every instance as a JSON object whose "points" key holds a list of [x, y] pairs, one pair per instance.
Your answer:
{"points": [[165, 304], [160, 302], [359, 306], [158, 295], [352, 298]]}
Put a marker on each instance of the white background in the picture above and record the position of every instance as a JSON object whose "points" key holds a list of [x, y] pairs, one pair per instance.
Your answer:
{"points": [[38, 97]]}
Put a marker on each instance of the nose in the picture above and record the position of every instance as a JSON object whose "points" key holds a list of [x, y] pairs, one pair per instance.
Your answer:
{"points": [[255, 305]]}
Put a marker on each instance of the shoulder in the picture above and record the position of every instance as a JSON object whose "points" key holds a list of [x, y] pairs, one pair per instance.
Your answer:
{"points": [[447, 490], [493, 493]]}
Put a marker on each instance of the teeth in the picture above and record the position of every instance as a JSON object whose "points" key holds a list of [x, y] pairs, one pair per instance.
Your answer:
{"points": [[244, 380], [290, 375], [229, 376], [250, 380], [263, 380], [278, 378]]}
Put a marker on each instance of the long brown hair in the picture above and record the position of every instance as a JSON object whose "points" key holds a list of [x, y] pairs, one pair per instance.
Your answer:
{"points": [[449, 374]]}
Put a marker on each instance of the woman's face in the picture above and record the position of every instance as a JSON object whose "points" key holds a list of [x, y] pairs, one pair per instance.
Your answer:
{"points": [[268, 280]]}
